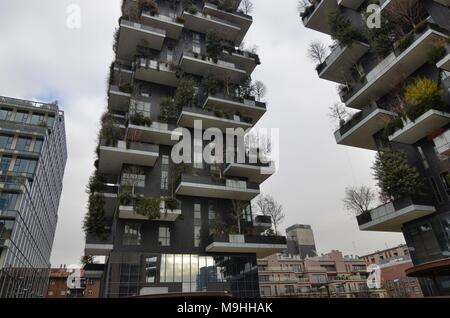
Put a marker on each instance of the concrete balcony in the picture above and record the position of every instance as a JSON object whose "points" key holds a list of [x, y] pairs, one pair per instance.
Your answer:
{"points": [[443, 2], [262, 221], [243, 21], [110, 196], [393, 70], [247, 107], [424, 126], [444, 63], [210, 119], [166, 215], [113, 157], [201, 22], [198, 65], [205, 186], [317, 19], [118, 100], [96, 246], [243, 59], [123, 72], [157, 133], [390, 217], [159, 21], [155, 72], [341, 59], [262, 246], [257, 173], [358, 132], [351, 4], [133, 34], [442, 143], [11, 127]]}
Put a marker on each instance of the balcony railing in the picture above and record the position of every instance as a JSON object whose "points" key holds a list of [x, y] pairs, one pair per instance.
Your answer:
{"points": [[442, 143], [231, 184], [23, 127], [27, 104], [13, 182], [391, 216]]}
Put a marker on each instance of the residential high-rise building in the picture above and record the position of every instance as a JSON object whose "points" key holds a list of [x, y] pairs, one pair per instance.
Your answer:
{"points": [[169, 226], [33, 157], [392, 64], [328, 276], [380, 256], [300, 240]]}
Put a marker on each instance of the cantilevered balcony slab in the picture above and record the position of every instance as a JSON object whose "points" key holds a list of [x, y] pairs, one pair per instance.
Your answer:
{"points": [[340, 60], [157, 133], [203, 186], [243, 60], [351, 4], [442, 143], [118, 100], [425, 125], [262, 246], [159, 21], [243, 21], [318, 19], [201, 22], [112, 158], [393, 70], [254, 173], [246, 107], [133, 34], [359, 131], [155, 72], [209, 120], [129, 213], [390, 217], [443, 2], [198, 66], [444, 63], [96, 246]]}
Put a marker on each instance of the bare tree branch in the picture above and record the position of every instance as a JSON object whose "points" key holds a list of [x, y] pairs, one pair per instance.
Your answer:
{"points": [[267, 205], [359, 200], [317, 52]]}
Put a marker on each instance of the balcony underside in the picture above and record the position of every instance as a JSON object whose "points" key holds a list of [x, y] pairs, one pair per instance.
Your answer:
{"points": [[261, 250], [112, 159], [393, 221], [98, 249], [172, 28], [444, 63], [135, 34], [163, 75], [216, 191], [253, 173], [200, 23], [443, 2], [188, 118], [199, 67], [421, 128], [246, 63], [396, 71], [351, 4], [152, 135], [246, 110], [345, 60], [118, 101], [318, 20], [361, 135], [128, 213], [244, 23]]}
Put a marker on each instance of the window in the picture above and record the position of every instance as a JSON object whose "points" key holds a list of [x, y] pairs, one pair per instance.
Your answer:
{"points": [[265, 291], [50, 121], [164, 236], [197, 210], [90, 292], [6, 141], [23, 143], [151, 264], [196, 48], [4, 163], [169, 55], [8, 201], [132, 234], [5, 114], [38, 119], [25, 166], [133, 180], [197, 231], [165, 173], [50, 293], [211, 211], [21, 117], [140, 107], [38, 145]]}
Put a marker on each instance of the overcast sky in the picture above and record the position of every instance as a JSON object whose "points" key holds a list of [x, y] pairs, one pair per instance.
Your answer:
{"points": [[42, 59]]}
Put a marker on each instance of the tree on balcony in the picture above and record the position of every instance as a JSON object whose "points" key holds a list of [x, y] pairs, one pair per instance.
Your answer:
{"points": [[259, 90], [148, 5], [185, 94], [317, 52], [110, 132], [338, 113], [395, 176], [423, 94], [341, 28], [93, 222], [359, 200], [149, 207], [267, 205], [246, 6], [210, 83], [404, 15], [214, 46]]}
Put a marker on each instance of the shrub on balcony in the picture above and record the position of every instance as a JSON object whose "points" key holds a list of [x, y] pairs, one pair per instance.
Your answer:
{"points": [[126, 198], [93, 222], [149, 6], [171, 203], [214, 45], [342, 29], [395, 176], [126, 88], [210, 83], [180, 19], [96, 183], [110, 132], [436, 53], [139, 119], [422, 94], [149, 207], [168, 111], [405, 41], [394, 125], [185, 94]]}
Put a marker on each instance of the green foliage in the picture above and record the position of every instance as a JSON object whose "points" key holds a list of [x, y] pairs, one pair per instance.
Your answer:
{"points": [[214, 45], [185, 95], [423, 91], [126, 88], [210, 84], [436, 53], [395, 176], [139, 119], [110, 132], [405, 41], [93, 222], [381, 39], [168, 111], [171, 203], [148, 5], [342, 29], [87, 259], [149, 207], [394, 125], [126, 198]]}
